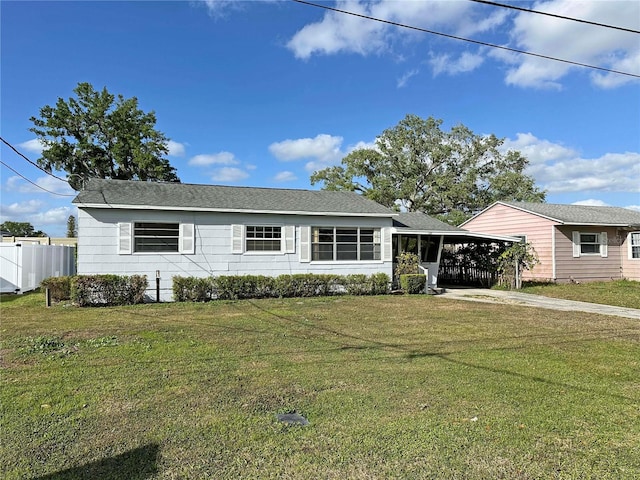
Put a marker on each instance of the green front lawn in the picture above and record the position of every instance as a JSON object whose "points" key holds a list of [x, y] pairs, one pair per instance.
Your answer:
{"points": [[621, 293], [393, 387]]}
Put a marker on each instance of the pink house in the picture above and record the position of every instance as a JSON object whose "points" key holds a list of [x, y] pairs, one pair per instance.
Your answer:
{"points": [[573, 242]]}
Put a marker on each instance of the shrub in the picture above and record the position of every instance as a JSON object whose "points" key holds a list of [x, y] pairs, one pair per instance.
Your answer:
{"points": [[380, 284], [103, 290], [59, 287], [413, 283], [194, 289], [233, 287]]}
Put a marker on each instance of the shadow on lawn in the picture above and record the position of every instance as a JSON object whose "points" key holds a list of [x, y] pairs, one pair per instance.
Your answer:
{"points": [[137, 464]]}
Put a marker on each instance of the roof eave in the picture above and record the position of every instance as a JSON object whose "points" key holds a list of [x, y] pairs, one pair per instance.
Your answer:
{"points": [[233, 210]]}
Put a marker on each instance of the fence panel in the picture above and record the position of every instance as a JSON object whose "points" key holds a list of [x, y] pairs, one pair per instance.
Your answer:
{"points": [[24, 266]]}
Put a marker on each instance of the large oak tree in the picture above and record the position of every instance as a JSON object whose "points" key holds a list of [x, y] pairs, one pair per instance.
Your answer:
{"points": [[98, 135], [416, 166]]}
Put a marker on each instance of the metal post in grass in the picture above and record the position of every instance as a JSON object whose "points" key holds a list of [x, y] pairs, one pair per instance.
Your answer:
{"points": [[157, 286]]}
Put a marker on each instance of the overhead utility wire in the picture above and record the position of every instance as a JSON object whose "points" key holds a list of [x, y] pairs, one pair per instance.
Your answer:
{"points": [[513, 7], [477, 42], [32, 163], [33, 183]]}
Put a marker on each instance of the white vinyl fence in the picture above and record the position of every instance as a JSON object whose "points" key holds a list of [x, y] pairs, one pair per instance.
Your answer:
{"points": [[23, 266]]}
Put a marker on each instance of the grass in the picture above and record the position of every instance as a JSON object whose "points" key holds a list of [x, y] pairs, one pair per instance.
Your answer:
{"points": [[393, 387], [621, 293]]}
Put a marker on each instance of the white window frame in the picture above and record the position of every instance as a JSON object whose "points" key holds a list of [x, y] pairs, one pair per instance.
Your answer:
{"points": [[239, 239], [630, 241], [600, 240], [378, 234], [126, 238]]}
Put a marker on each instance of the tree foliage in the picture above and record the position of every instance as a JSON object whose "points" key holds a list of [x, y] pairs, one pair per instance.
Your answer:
{"points": [[72, 230], [96, 135], [417, 166], [21, 229]]}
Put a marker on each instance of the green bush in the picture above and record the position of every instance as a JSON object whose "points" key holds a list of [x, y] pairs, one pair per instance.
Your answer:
{"points": [[380, 284], [194, 289], [103, 290], [59, 287], [413, 283], [233, 287]]}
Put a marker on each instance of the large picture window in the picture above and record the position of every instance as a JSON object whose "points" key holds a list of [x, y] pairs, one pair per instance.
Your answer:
{"points": [[263, 239], [156, 237], [345, 244]]}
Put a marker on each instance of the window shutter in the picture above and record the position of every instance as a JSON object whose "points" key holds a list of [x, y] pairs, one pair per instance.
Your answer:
{"points": [[124, 238], [305, 244], [604, 250], [387, 249], [187, 238], [576, 243], [237, 238], [289, 238]]}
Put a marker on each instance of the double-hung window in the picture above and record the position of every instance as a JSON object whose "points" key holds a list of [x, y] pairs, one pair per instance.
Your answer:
{"points": [[589, 243], [263, 239], [345, 244], [634, 245]]}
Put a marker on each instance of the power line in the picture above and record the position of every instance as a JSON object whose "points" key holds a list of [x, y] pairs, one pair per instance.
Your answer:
{"points": [[477, 42], [33, 183], [31, 162], [614, 27]]}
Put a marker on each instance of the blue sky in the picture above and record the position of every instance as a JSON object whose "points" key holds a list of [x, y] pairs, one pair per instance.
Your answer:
{"points": [[263, 93]]}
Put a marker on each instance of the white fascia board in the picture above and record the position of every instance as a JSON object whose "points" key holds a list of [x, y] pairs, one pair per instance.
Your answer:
{"points": [[233, 210], [413, 231], [491, 236], [582, 224]]}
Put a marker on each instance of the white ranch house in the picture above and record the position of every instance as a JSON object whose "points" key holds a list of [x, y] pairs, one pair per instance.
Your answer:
{"points": [[169, 229]]}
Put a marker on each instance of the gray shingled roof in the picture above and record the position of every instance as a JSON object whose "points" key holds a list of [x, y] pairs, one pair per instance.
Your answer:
{"points": [[185, 196], [582, 214], [421, 221]]}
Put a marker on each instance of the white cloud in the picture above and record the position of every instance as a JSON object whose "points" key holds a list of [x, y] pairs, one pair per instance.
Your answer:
{"points": [[285, 176], [342, 33], [47, 184], [466, 62], [591, 202], [229, 174], [633, 207], [402, 81], [33, 146], [176, 149], [339, 33], [55, 216], [323, 147], [22, 208], [560, 169], [578, 42], [205, 160]]}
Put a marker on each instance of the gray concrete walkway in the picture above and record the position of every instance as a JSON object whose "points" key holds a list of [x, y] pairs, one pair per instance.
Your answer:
{"points": [[526, 299]]}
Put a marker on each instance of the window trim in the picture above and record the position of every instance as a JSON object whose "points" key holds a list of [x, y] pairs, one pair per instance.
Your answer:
{"points": [[600, 240], [126, 238], [631, 245], [378, 233], [239, 239]]}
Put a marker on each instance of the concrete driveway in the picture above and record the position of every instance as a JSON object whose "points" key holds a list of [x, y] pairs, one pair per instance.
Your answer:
{"points": [[526, 299]]}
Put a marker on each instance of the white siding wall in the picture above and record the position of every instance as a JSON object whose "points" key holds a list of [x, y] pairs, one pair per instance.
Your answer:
{"points": [[98, 247]]}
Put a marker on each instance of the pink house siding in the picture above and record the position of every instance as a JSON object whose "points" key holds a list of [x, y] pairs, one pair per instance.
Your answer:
{"points": [[553, 239], [630, 266], [504, 220], [586, 267]]}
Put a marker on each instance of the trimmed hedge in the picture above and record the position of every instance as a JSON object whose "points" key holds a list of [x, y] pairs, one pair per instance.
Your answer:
{"points": [[233, 287], [413, 283], [98, 290], [59, 287], [104, 290]]}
